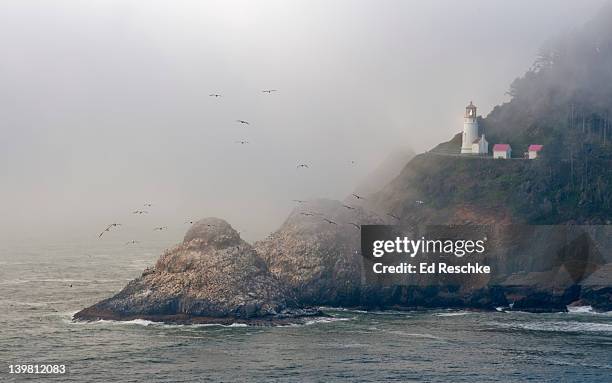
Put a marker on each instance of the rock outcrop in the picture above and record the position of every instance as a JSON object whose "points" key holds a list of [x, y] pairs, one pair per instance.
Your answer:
{"points": [[317, 252], [212, 277]]}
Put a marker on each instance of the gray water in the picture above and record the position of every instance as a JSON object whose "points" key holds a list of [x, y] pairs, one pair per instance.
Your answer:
{"points": [[36, 304]]}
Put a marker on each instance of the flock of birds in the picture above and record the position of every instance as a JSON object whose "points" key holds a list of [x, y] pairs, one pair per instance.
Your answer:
{"points": [[349, 207], [244, 142], [140, 212]]}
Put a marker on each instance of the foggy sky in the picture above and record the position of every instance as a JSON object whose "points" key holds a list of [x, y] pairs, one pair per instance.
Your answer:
{"points": [[104, 104]]}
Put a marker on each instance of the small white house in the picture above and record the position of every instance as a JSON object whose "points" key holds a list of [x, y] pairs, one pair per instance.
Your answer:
{"points": [[534, 151], [502, 151]]}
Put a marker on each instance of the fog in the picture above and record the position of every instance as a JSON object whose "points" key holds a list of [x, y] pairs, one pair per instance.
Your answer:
{"points": [[104, 105]]}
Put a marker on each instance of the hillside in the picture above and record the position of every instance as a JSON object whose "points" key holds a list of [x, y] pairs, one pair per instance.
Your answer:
{"points": [[563, 102]]}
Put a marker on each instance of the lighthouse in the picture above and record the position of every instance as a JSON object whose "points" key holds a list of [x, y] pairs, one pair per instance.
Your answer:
{"points": [[471, 143], [470, 129]]}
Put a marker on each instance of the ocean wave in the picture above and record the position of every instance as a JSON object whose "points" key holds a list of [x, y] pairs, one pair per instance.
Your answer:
{"points": [[148, 323], [326, 320], [392, 312], [452, 314], [314, 321], [343, 309], [416, 335], [586, 310], [572, 326]]}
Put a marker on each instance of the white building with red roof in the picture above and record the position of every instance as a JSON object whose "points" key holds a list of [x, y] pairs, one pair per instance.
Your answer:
{"points": [[502, 151], [534, 151]]}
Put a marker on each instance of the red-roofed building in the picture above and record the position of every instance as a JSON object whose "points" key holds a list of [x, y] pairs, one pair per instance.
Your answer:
{"points": [[502, 151], [534, 151]]}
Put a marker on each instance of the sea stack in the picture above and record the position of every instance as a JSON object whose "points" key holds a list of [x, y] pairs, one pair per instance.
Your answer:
{"points": [[213, 276]]}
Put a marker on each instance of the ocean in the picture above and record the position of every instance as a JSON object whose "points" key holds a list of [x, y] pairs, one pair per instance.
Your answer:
{"points": [[42, 285]]}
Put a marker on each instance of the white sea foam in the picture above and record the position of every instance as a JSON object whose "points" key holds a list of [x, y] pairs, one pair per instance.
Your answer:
{"points": [[147, 323], [452, 314], [343, 309], [391, 312], [586, 310], [326, 320], [580, 309], [572, 326]]}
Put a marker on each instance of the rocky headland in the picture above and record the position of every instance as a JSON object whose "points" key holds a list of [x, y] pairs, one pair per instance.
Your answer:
{"points": [[550, 219], [213, 276]]}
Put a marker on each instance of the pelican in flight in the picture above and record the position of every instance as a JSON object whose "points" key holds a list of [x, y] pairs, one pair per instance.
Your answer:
{"points": [[148, 205], [354, 224], [140, 212], [348, 207], [242, 142], [190, 222], [299, 201], [108, 228], [160, 228], [132, 242], [419, 202], [269, 91], [215, 95], [329, 221], [302, 166], [307, 214], [243, 122], [357, 196]]}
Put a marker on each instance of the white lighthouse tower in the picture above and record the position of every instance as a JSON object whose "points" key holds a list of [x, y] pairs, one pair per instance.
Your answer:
{"points": [[470, 129]]}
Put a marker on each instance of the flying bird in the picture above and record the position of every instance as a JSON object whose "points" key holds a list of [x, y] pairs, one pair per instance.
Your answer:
{"points": [[269, 91], [132, 242], [329, 221], [108, 228], [160, 228], [302, 166], [348, 207], [358, 196], [307, 214], [299, 201], [419, 202], [393, 216], [354, 224], [243, 122], [215, 95], [189, 222], [140, 212], [243, 142], [148, 205]]}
